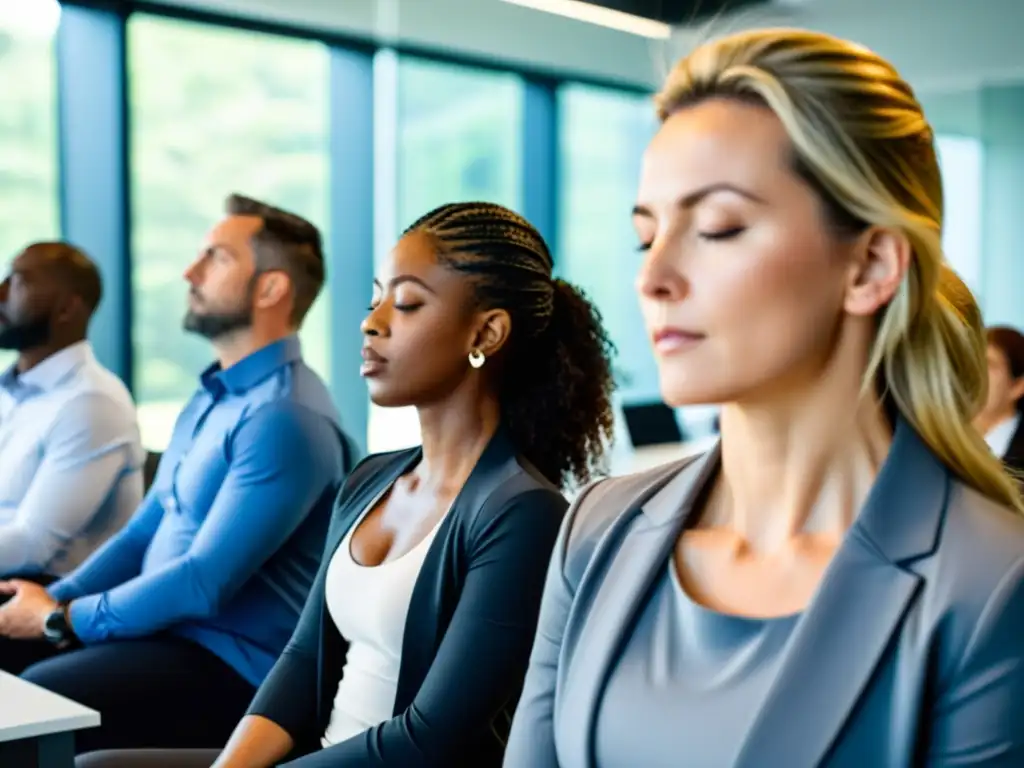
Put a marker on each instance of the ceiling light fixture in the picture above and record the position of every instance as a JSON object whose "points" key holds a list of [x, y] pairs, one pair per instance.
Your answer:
{"points": [[604, 17]]}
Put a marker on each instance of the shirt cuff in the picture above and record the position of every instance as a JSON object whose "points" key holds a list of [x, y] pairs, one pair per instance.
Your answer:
{"points": [[63, 591], [82, 613]]}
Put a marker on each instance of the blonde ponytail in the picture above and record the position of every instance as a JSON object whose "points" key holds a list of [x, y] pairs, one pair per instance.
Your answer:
{"points": [[932, 362], [860, 132]]}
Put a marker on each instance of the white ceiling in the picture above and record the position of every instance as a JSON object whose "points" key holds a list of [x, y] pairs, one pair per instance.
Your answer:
{"points": [[939, 45]]}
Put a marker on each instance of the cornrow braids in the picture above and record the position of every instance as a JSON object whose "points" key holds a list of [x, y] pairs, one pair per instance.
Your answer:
{"points": [[556, 381]]}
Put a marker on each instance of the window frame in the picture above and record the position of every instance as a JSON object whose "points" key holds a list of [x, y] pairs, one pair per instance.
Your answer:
{"points": [[95, 196]]}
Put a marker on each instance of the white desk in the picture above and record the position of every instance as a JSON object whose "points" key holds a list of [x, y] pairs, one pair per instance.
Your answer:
{"points": [[652, 456], [37, 727]]}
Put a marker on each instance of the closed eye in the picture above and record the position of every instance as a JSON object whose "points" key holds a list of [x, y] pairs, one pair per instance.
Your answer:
{"points": [[399, 307], [722, 234]]}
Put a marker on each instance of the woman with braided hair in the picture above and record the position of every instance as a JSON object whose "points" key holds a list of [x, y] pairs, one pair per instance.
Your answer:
{"points": [[415, 640]]}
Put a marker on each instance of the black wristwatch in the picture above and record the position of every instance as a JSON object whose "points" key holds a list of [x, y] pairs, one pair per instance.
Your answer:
{"points": [[57, 627]]}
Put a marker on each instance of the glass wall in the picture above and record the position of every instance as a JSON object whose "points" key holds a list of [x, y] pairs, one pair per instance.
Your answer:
{"points": [[961, 159], [28, 128], [214, 111], [28, 141], [459, 136], [603, 136]]}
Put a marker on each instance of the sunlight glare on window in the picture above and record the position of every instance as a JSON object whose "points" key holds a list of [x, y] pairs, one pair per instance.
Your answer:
{"points": [[30, 18]]}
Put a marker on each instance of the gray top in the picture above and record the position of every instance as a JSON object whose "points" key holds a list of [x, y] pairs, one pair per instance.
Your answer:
{"points": [[909, 653], [687, 676]]}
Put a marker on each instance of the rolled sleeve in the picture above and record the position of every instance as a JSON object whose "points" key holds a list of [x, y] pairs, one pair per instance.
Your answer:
{"points": [[284, 457], [116, 561]]}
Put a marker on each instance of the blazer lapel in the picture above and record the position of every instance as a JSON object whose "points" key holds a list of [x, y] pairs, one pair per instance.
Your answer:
{"points": [[364, 493], [366, 482], [860, 604], [833, 652], [634, 552], [437, 585]]}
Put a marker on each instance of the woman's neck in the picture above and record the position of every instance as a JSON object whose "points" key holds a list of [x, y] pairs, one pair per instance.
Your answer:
{"points": [[454, 435], [799, 467]]}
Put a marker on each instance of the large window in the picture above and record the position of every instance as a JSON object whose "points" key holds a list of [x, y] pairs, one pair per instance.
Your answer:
{"points": [[214, 111], [457, 137], [603, 136], [962, 163], [28, 127], [28, 124]]}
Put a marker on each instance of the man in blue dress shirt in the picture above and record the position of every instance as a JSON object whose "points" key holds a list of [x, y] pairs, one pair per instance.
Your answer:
{"points": [[70, 454], [169, 628]]}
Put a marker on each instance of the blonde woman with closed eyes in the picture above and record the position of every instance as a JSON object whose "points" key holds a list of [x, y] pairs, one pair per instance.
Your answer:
{"points": [[840, 581]]}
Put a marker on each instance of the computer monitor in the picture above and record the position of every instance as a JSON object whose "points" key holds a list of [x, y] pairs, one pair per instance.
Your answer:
{"points": [[651, 424]]}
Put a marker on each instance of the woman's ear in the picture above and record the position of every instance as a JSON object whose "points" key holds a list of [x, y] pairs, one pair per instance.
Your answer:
{"points": [[881, 260], [493, 329]]}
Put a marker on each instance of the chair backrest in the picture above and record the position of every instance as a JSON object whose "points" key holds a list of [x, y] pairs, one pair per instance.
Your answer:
{"points": [[149, 468]]}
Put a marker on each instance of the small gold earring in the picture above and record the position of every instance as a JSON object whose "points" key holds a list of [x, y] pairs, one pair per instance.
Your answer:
{"points": [[477, 359]]}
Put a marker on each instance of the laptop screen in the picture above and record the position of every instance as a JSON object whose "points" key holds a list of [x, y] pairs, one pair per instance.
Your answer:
{"points": [[651, 424]]}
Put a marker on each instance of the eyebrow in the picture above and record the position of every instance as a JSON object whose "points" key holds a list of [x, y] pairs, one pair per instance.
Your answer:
{"points": [[692, 199], [397, 281]]}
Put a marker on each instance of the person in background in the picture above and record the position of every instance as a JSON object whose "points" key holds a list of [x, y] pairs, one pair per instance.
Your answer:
{"points": [[70, 453], [170, 627], [840, 581], [412, 648], [1000, 419]]}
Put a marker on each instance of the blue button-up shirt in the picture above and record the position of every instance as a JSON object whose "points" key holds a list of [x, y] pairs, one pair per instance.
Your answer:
{"points": [[225, 546], [70, 462]]}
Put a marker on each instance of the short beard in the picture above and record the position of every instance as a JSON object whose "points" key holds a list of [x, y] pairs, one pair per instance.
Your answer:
{"points": [[27, 335], [214, 326]]}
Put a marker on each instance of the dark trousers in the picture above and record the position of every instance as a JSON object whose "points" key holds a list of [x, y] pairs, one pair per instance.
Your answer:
{"points": [[149, 758], [162, 691]]}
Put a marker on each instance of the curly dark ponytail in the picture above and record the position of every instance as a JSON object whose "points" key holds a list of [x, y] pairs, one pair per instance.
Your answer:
{"points": [[556, 375]]}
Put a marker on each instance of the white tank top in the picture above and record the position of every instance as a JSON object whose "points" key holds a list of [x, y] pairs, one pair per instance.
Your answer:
{"points": [[369, 606]]}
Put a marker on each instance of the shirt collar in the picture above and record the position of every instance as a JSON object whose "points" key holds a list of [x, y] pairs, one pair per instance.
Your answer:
{"points": [[999, 437], [251, 370], [50, 372]]}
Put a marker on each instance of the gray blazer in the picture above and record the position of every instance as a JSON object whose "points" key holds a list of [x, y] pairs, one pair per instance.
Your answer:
{"points": [[910, 654]]}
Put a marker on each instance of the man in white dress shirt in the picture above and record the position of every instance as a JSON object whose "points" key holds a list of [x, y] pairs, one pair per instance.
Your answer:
{"points": [[70, 452]]}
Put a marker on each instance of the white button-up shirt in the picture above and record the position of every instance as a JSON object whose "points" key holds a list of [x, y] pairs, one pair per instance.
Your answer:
{"points": [[70, 462], [1001, 435]]}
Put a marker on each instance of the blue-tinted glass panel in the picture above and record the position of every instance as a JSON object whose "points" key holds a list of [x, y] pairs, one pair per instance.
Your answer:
{"points": [[214, 111]]}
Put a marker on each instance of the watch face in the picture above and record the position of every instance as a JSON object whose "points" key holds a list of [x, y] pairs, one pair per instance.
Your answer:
{"points": [[53, 627]]}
